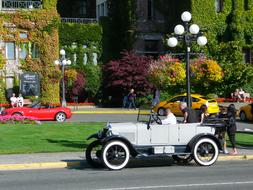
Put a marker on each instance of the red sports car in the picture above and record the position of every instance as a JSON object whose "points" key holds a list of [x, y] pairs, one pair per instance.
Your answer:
{"points": [[40, 112]]}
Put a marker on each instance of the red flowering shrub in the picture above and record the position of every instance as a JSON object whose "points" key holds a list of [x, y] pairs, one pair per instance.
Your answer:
{"points": [[131, 71], [166, 72]]}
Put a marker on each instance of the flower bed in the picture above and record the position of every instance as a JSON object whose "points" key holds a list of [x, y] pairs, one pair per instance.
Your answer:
{"points": [[80, 104], [18, 119], [220, 100]]}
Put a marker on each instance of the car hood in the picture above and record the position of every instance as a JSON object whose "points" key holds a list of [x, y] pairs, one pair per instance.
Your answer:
{"points": [[119, 128]]}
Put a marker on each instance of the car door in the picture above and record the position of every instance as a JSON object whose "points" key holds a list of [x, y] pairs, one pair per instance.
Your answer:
{"points": [[41, 113], [196, 103], [159, 134]]}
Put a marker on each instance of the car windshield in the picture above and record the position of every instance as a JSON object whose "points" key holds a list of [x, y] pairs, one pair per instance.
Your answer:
{"points": [[35, 104], [144, 114]]}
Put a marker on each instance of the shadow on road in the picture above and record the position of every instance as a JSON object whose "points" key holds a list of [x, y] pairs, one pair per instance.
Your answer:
{"points": [[134, 163]]}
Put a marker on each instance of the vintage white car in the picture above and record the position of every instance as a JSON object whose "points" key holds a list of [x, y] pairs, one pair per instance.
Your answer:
{"points": [[117, 142]]}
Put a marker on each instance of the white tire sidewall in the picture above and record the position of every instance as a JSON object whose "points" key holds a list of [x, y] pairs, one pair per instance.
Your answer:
{"points": [[196, 155], [109, 145]]}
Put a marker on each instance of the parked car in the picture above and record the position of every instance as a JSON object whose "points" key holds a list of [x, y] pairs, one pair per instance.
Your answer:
{"points": [[197, 101], [117, 142], [40, 112], [246, 112]]}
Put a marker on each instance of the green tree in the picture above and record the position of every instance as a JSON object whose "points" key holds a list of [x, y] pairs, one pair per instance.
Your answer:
{"points": [[93, 80]]}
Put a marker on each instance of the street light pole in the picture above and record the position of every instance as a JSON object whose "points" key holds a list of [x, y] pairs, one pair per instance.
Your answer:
{"points": [[187, 34], [63, 62], [187, 55]]}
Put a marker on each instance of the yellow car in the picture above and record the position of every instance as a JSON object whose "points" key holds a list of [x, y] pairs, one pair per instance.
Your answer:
{"points": [[246, 112], [197, 100]]}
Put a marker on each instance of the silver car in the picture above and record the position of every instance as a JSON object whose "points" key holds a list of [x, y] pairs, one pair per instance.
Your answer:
{"points": [[117, 142]]}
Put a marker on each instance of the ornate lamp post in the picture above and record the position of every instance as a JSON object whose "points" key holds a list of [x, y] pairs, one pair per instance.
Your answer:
{"points": [[63, 62], [187, 35]]}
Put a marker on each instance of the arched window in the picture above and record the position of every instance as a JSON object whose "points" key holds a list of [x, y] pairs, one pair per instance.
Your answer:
{"points": [[218, 5], [246, 5]]}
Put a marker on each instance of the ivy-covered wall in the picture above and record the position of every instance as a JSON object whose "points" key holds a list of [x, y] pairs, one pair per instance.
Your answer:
{"points": [[40, 25], [229, 32], [83, 45]]}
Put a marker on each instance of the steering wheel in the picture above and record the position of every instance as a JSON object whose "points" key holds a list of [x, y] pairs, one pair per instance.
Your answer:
{"points": [[156, 118]]}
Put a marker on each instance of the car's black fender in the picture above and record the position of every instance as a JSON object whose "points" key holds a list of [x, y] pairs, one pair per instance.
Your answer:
{"points": [[132, 150], [95, 136], [195, 139]]}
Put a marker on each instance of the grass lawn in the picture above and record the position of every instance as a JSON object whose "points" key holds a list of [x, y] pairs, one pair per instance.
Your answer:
{"points": [[47, 137], [244, 139], [60, 137]]}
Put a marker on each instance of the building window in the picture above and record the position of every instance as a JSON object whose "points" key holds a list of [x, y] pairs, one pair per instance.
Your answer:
{"points": [[10, 50], [151, 46], [23, 36], [248, 55], [150, 10], [218, 5], [23, 50], [35, 51], [82, 8], [246, 5]]}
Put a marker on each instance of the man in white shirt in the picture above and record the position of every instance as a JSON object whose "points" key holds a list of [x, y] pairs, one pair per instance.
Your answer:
{"points": [[13, 100], [170, 118]]}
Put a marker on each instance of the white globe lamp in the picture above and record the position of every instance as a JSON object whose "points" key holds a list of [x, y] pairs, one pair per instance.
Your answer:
{"points": [[186, 16], [172, 42], [56, 62], [64, 62], [62, 52], [202, 40], [194, 29], [68, 62], [179, 29]]}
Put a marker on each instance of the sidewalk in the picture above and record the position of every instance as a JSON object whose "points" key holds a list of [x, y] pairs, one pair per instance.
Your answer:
{"points": [[98, 110], [77, 159]]}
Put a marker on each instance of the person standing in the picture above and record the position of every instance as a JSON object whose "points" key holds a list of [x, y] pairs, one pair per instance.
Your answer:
{"points": [[20, 101], [131, 99], [156, 97], [189, 114], [13, 100], [203, 115], [220, 133], [231, 127]]}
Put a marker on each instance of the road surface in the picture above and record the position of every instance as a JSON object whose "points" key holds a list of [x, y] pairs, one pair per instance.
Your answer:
{"points": [[223, 175]]}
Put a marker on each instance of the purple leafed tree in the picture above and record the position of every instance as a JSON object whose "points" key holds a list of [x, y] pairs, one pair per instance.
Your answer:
{"points": [[78, 84], [130, 71]]}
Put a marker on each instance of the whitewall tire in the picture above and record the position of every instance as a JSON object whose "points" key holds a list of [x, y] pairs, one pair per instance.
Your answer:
{"points": [[205, 152], [115, 155]]}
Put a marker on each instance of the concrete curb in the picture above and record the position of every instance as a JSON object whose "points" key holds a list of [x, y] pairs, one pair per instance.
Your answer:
{"points": [[58, 165], [42, 165]]}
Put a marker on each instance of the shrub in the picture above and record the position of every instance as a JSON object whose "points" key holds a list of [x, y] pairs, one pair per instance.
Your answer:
{"points": [[128, 72]]}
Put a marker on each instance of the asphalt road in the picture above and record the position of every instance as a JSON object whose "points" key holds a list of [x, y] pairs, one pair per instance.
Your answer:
{"points": [[242, 126], [223, 175]]}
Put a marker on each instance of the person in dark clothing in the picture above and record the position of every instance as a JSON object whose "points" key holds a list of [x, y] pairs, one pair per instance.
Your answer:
{"points": [[131, 99], [231, 126], [220, 132], [189, 114], [203, 114]]}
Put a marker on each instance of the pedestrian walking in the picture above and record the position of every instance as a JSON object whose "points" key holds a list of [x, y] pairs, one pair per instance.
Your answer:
{"points": [[131, 99]]}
